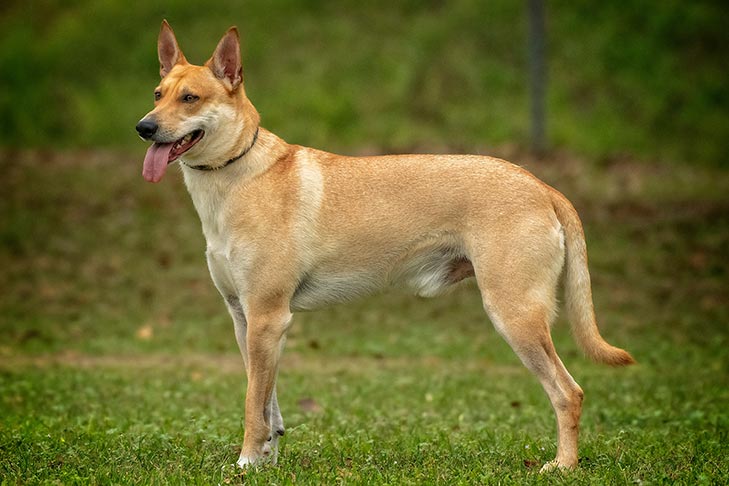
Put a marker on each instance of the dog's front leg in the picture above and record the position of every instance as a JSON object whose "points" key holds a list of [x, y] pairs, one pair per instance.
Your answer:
{"points": [[265, 336], [272, 408]]}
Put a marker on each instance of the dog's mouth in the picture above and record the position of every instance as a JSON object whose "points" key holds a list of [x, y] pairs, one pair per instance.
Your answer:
{"points": [[159, 155], [184, 144]]}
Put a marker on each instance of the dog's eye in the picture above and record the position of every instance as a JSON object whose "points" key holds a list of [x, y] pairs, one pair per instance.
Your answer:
{"points": [[157, 95], [190, 98]]}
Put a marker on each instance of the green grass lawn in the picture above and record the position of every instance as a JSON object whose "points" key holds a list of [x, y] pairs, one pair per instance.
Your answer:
{"points": [[118, 362]]}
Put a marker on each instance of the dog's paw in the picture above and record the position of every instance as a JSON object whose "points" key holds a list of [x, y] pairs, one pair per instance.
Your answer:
{"points": [[244, 462], [268, 455], [270, 450], [555, 465]]}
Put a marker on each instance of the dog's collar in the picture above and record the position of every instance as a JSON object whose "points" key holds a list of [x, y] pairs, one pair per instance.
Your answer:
{"points": [[229, 161]]}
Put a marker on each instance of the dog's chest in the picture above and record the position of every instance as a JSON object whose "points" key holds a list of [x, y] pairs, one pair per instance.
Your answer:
{"points": [[228, 258], [219, 258], [221, 273], [229, 261], [209, 203]]}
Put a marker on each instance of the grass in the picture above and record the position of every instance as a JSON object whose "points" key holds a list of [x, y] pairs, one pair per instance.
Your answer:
{"points": [[646, 78], [376, 421], [118, 362]]}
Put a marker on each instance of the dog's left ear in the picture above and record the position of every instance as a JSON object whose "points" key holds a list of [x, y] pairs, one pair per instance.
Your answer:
{"points": [[225, 62]]}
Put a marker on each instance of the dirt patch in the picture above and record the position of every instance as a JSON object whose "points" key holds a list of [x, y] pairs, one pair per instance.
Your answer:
{"points": [[233, 363]]}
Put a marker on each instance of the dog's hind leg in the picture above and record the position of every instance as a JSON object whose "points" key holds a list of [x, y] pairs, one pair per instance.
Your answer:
{"points": [[528, 335], [241, 325], [277, 427], [518, 285]]}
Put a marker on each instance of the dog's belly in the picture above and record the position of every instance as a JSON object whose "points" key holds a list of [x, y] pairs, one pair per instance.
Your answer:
{"points": [[431, 272], [321, 288], [427, 274]]}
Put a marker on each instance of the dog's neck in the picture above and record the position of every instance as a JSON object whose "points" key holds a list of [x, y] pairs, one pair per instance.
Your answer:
{"points": [[225, 164], [210, 189]]}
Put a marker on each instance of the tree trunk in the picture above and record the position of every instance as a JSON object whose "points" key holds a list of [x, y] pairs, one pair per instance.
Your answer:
{"points": [[537, 76]]}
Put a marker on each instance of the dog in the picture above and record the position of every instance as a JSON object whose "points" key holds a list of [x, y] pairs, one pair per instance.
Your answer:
{"points": [[291, 228]]}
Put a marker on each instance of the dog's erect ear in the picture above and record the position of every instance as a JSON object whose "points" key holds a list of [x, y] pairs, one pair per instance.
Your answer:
{"points": [[225, 62], [168, 51]]}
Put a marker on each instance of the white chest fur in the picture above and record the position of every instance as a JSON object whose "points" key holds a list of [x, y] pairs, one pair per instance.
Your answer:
{"points": [[208, 192]]}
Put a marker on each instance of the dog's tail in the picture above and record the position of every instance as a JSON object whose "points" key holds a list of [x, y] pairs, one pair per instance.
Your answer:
{"points": [[578, 292]]}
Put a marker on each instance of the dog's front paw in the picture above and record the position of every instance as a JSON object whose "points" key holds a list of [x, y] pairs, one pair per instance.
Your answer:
{"points": [[268, 455], [245, 462]]}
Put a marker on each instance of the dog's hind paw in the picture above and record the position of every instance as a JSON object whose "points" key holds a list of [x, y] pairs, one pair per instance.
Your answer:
{"points": [[556, 466]]}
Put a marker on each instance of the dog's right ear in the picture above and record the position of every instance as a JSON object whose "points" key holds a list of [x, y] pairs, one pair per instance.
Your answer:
{"points": [[168, 51]]}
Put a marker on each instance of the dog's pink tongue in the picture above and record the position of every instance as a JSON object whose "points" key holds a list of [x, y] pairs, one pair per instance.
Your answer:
{"points": [[155, 162]]}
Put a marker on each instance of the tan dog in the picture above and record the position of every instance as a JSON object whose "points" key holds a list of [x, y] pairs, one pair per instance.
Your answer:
{"points": [[290, 228]]}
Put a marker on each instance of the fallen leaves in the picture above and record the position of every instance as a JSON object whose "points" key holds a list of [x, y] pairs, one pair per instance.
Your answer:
{"points": [[309, 405], [145, 332]]}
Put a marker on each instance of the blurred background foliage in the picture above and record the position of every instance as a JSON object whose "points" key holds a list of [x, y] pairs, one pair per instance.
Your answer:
{"points": [[646, 78]]}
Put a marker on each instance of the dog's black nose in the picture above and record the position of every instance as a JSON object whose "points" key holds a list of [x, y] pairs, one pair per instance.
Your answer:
{"points": [[146, 128]]}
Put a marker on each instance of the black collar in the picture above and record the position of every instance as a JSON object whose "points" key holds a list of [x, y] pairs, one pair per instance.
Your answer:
{"points": [[230, 161]]}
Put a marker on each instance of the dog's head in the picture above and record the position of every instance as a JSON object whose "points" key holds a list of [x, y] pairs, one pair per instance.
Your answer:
{"points": [[200, 112]]}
